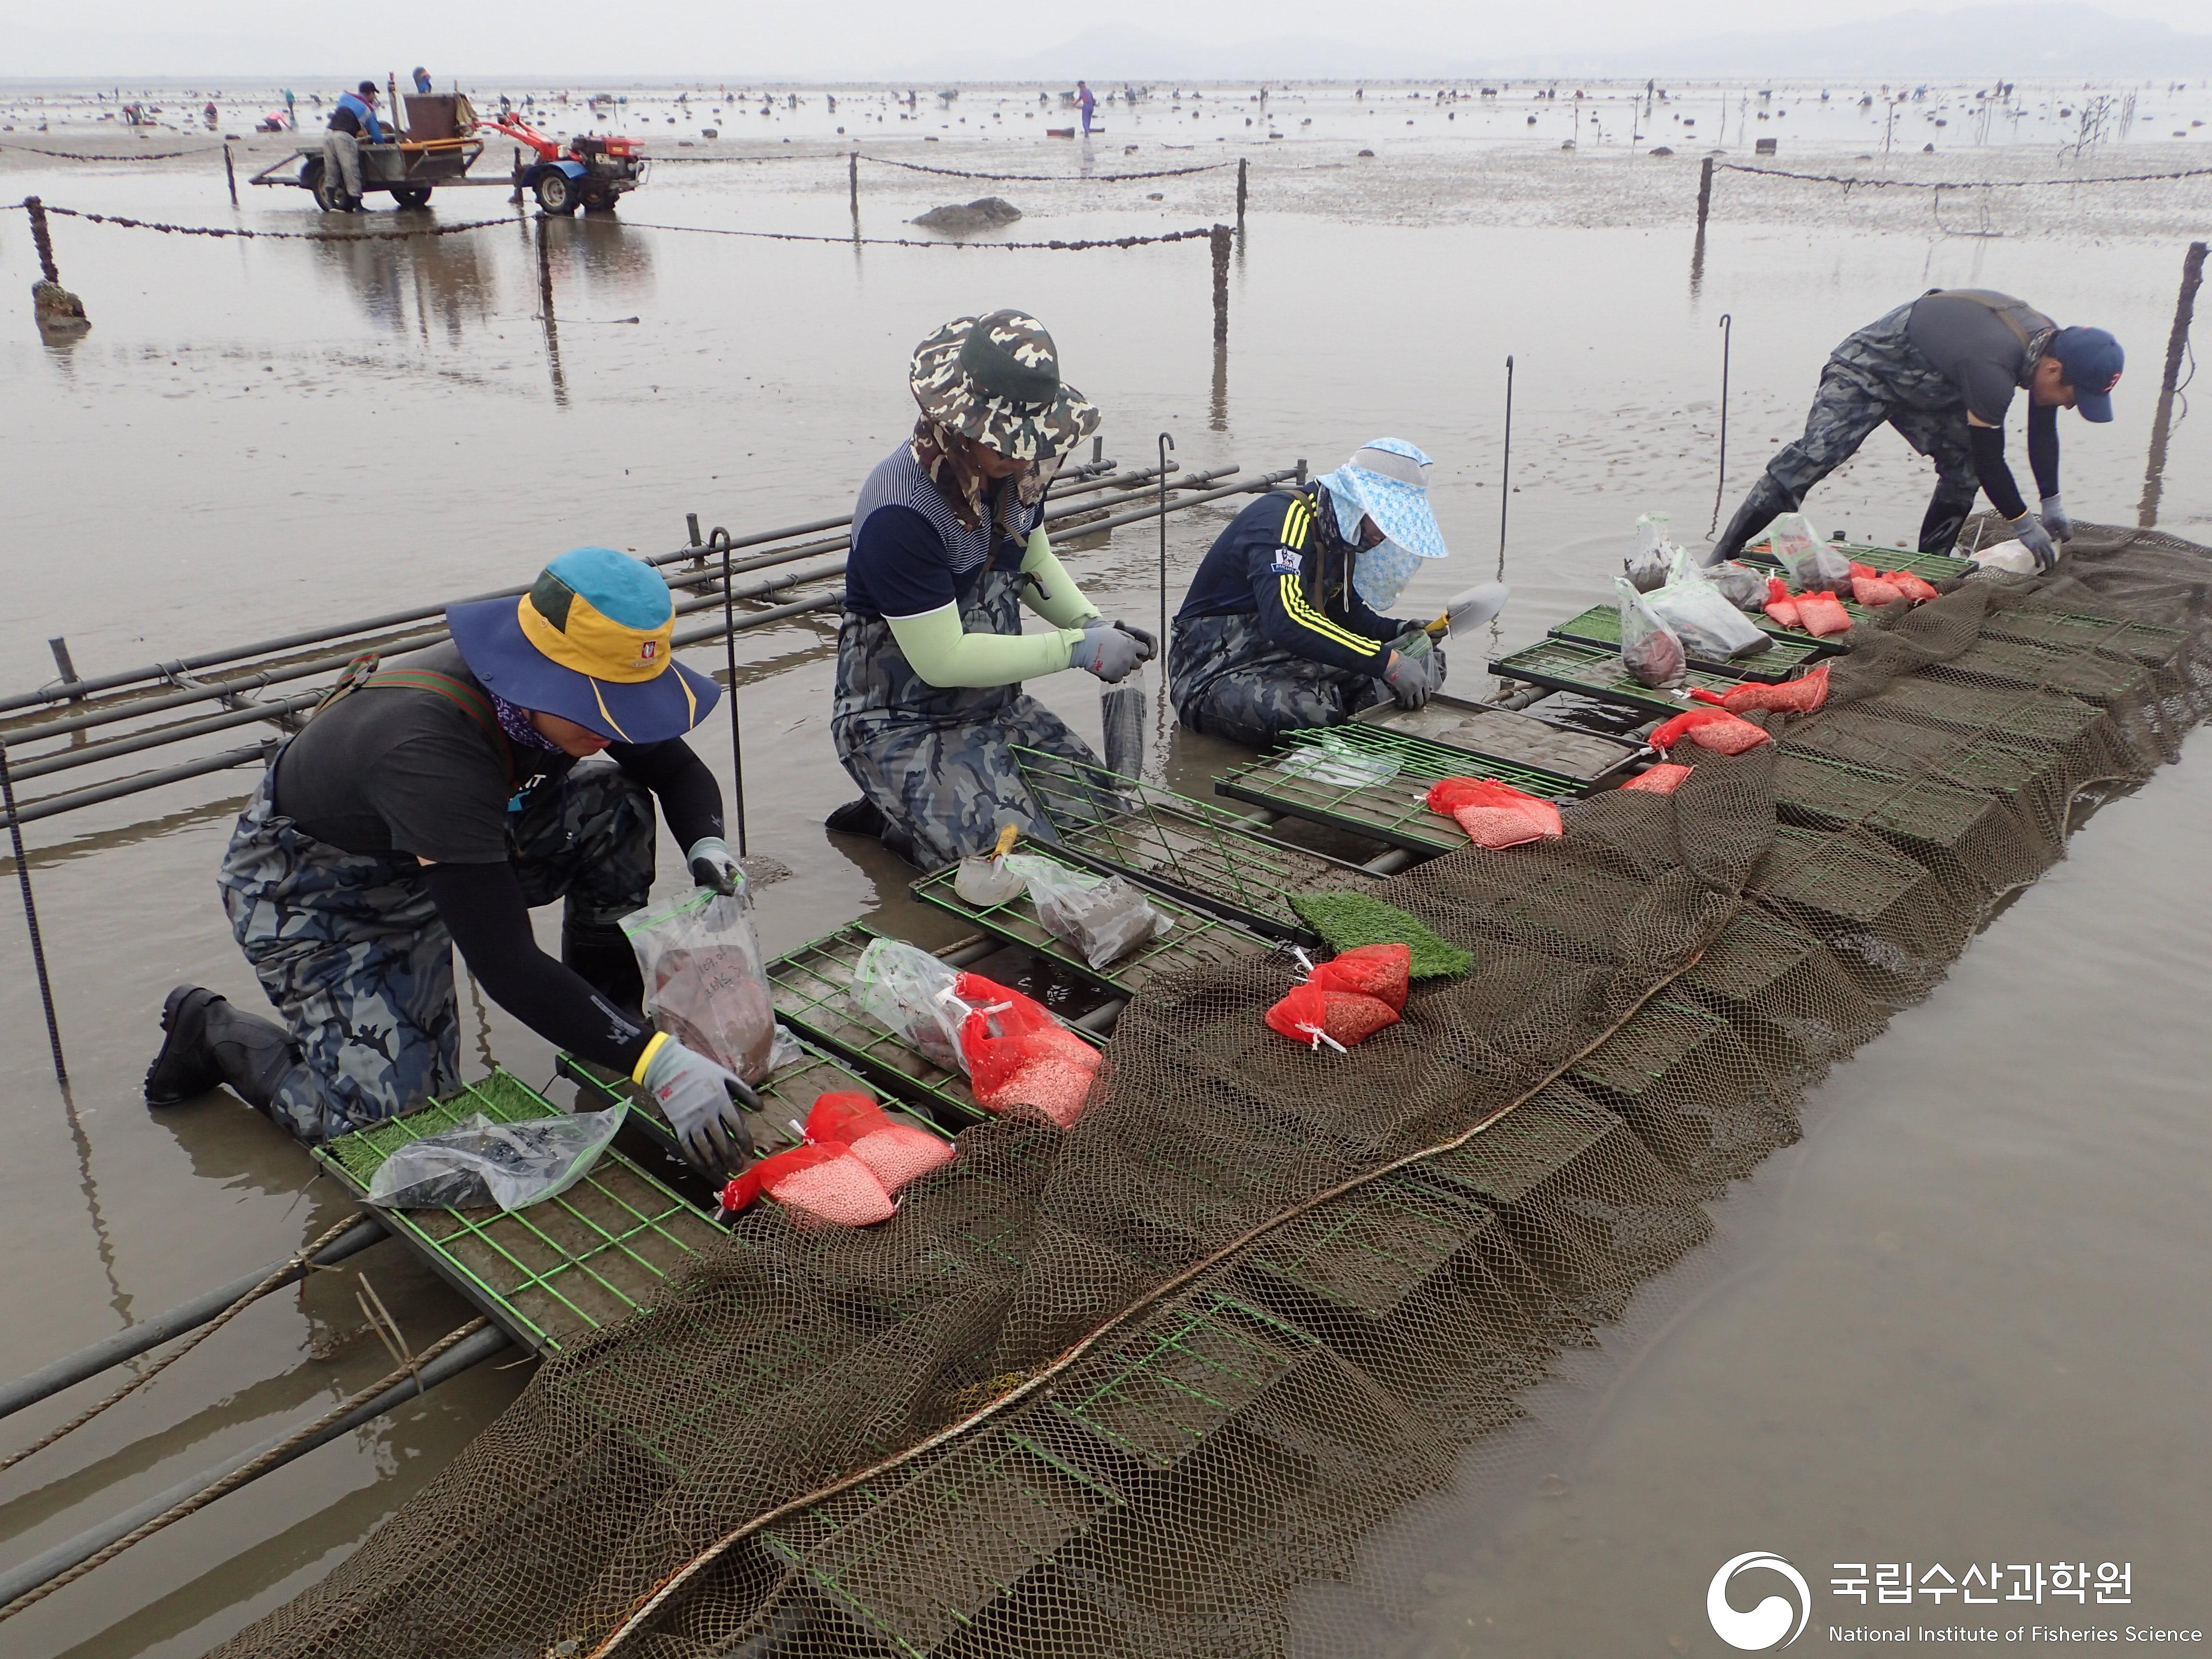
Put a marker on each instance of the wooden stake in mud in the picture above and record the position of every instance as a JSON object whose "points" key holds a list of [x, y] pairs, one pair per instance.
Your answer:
{"points": [[1720, 483], [56, 308], [1243, 176], [1219, 239], [853, 181], [230, 176], [2176, 344], [30, 921], [1704, 194], [42, 238], [1505, 472]]}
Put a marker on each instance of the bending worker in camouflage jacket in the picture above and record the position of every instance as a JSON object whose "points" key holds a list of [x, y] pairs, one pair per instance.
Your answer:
{"points": [[431, 804], [1281, 629], [1942, 370], [948, 545]]}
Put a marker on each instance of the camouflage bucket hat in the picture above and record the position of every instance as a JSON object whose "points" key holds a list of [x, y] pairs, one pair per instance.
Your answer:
{"points": [[996, 379]]}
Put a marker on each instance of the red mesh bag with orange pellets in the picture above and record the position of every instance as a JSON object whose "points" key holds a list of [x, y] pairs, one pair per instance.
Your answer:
{"points": [[1381, 971], [1870, 587], [1799, 696], [1918, 589], [1709, 728], [1779, 605], [1017, 1054], [1494, 814], [1664, 778], [897, 1153], [1822, 614], [1313, 1014], [814, 1184]]}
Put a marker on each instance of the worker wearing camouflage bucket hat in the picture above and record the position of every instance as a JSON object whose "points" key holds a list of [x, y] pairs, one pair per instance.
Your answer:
{"points": [[948, 544], [430, 803], [1283, 627]]}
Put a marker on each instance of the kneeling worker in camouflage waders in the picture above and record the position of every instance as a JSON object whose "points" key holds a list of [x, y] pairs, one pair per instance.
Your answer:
{"points": [[431, 805], [947, 546], [1282, 628], [1942, 370]]}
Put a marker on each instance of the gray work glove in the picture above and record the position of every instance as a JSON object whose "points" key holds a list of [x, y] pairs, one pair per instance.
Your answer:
{"points": [[1143, 637], [1410, 678], [2055, 519], [1413, 642], [2036, 540], [1106, 651], [713, 865], [701, 1103]]}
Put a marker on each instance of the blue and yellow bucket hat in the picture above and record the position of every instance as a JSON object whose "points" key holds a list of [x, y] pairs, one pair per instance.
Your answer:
{"points": [[589, 642]]}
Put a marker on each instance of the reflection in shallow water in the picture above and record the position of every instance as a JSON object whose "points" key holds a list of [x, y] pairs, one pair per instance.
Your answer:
{"points": [[411, 285]]}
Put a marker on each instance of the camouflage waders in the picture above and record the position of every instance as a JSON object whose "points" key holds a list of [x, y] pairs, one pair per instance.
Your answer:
{"points": [[350, 948], [1229, 681], [1876, 375], [937, 760]]}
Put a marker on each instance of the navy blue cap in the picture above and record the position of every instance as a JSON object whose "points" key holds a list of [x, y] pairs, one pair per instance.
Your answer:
{"points": [[2093, 360]]}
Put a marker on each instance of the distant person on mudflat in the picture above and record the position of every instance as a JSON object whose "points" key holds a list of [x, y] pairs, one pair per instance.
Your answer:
{"points": [[948, 545], [432, 802], [354, 117], [1942, 370], [1086, 100], [422, 80], [1283, 629]]}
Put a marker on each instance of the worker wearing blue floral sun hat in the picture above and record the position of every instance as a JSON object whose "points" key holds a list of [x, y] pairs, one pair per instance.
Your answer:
{"points": [[1283, 627]]}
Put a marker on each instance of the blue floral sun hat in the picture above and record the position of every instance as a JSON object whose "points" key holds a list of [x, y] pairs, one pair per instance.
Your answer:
{"points": [[1386, 481]]}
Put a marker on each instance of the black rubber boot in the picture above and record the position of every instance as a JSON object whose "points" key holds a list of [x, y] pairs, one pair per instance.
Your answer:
{"points": [[1767, 502], [1947, 516], [185, 1067], [856, 818], [600, 955], [251, 1054]]}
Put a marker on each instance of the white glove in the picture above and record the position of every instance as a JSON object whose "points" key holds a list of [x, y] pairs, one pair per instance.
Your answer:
{"points": [[701, 1100], [713, 865]]}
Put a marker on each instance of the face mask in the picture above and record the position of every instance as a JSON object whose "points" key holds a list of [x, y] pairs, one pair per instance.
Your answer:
{"points": [[1379, 574]]}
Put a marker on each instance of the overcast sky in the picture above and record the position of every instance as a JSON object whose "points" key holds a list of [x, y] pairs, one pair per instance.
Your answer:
{"points": [[829, 40]]}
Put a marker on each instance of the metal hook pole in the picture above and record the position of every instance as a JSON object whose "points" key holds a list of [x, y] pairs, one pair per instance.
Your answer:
{"points": [[1167, 447], [1727, 338], [717, 541], [30, 921], [1505, 472]]}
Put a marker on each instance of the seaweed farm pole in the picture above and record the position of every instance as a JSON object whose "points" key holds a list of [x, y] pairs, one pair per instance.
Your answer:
{"points": [[1505, 472], [1706, 191], [1218, 240], [30, 921], [1243, 174], [1720, 483], [1167, 446], [718, 540], [2176, 344], [230, 176]]}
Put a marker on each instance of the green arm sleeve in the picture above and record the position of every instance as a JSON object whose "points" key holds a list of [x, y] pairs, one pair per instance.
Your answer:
{"points": [[1063, 604], [945, 654]]}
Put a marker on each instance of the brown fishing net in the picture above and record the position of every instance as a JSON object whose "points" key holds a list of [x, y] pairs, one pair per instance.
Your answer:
{"points": [[1137, 1387]]}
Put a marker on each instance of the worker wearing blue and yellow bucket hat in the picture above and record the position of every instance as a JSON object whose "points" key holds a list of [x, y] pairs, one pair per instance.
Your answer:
{"points": [[431, 802]]}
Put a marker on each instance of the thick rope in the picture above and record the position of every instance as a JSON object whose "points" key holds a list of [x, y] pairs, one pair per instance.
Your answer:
{"points": [[1969, 183], [281, 1277], [238, 1477], [70, 155], [270, 236], [1151, 1298]]}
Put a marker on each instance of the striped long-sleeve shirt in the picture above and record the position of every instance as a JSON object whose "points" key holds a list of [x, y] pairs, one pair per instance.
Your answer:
{"points": [[1281, 559]]}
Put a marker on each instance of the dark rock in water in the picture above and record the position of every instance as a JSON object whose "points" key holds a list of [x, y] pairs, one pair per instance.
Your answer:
{"points": [[985, 213], [57, 309], [1662, 150], [1368, 154]]}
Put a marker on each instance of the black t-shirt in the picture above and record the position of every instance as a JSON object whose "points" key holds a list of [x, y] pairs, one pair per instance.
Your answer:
{"points": [[899, 565], [1976, 348]]}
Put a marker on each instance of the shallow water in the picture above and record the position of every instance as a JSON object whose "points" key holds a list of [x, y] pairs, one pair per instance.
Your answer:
{"points": [[1971, 1318]]}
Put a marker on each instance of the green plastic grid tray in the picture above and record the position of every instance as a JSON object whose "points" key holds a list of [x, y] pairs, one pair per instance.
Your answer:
{"points": [[576, 1263], [1369, 1250], [1158, 1392], [2028, 717], [1929, 567], [1396, 810], [1511, 737], [1825, 875], [2089, 675], [2079, 630], [1591, 671], [1787, 654], [1197, 936], [786, 1099], [811, 986], [1909, 812], [1191, 850], [914, 1559]]}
